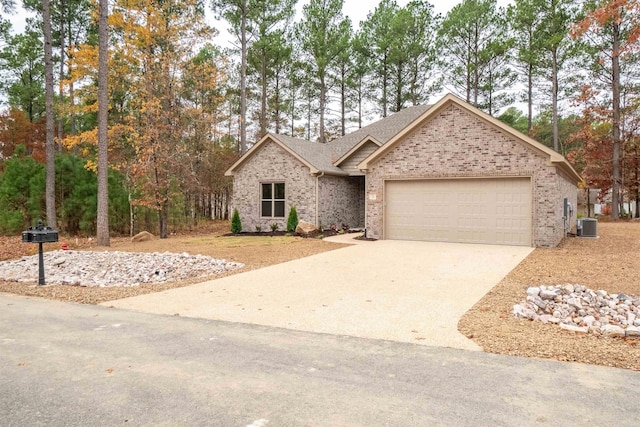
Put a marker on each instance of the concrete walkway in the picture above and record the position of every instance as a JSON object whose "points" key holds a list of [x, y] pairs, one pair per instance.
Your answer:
{"points": [[395, 290]]}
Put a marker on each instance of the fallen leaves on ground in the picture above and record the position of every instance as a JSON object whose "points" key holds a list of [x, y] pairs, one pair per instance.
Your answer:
{"points": [[609, 262]]}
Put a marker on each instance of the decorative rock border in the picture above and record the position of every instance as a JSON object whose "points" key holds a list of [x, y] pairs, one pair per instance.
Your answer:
{"points": [[579, 309], [114, 268]]}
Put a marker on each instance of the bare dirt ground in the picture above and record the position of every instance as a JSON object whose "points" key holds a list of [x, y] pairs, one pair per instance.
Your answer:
{"points": [[611, 262], [253, 251]]}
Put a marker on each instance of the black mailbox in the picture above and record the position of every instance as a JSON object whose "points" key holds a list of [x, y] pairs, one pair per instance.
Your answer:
{"points": [[40, 234]]}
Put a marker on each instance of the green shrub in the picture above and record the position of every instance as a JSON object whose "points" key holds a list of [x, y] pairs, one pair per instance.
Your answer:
{"points": [[22, 182], [236, 224], [274, 227], [292, 221], [11, 222], [258, 229]]}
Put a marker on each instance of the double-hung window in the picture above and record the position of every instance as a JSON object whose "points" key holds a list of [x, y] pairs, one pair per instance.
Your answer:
{"points": [[272, 200]]}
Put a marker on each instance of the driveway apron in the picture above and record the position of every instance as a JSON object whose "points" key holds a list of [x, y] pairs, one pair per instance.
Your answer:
{"points": [[395, 290]]}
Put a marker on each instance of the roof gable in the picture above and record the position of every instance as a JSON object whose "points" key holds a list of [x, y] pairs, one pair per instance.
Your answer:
{"points": [[554, 157], [356, 148], [380, 132], [314, 155]]}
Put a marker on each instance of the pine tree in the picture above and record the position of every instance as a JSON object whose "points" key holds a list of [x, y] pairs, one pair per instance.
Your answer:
{"points": [[236, 224], [292, 221]]}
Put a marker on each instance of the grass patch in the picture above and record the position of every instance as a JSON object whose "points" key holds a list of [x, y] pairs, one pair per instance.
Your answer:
{"points": [[239, 241]]}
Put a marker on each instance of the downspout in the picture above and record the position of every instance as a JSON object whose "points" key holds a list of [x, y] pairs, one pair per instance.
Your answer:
{"points": [[366, 205], [318, 176], [366, 202]]}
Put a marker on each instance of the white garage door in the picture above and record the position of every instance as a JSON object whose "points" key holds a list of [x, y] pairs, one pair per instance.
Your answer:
{"points": [[494, 211]]}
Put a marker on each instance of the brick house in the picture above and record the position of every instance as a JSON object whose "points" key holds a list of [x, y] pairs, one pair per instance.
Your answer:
{"points": [[443, 172]]}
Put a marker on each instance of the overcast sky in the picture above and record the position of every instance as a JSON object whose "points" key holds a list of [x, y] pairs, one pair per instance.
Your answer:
{"points": [[357, 10]]}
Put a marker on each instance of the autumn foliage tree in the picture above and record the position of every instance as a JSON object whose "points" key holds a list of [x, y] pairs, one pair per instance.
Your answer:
{"points": [[164, 106], [16, 130], [610, 31], [156, 39]]}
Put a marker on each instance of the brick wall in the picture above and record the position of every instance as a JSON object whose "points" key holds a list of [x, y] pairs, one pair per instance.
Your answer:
{"points": [[341, 201], [457, 144], [273, 164]]}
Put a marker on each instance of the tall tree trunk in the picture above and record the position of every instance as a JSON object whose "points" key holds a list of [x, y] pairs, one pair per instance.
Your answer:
{"points": [[243, 78], [385, 85], [60, 84], [323, 102], [72, 118], [615, 83], [637, 183], [294, 94], [277, 104], [476, 68], [529, 99], [490, 101], [103, 108], [263, 100], [162, 221], [50, 186], [309, 115], [554, 98], [343, 100], [399, 89], [360, 101], [132, 216]]}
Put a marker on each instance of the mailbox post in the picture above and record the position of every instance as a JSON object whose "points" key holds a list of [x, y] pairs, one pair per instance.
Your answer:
{"points": [[40, 234]]}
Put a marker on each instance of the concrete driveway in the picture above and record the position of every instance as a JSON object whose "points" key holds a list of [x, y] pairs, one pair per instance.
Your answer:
{"points": [[395, 290]]}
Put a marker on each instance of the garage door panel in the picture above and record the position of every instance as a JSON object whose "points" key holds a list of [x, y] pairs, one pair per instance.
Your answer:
{"points": [[464, 210]]}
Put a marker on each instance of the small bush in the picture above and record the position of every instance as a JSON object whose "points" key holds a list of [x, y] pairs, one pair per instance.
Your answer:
{"points": [[274, 227], [236, 224], [292, 221], [258, 229]]}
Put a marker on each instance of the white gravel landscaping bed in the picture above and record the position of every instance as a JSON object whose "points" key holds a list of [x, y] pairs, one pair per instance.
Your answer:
{"points": [[110, 269]]}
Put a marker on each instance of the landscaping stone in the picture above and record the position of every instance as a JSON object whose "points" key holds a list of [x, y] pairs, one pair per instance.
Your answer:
{"points": [[612, 331], [573, 328], [579, 309], [143, 236], [533, 291], [632, 332], [114, 268], [305, 228]]}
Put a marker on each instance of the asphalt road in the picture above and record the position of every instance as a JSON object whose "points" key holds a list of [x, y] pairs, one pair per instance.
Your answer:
{"points": [[75, 365]]}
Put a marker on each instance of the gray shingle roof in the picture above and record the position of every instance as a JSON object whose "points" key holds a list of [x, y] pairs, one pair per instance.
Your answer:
{"points": [[322, 156], [382, 130], [315, 153]]}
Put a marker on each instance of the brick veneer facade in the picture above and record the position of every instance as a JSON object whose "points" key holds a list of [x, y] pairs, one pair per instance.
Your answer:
{"points": [[341, 201], [455, 143], [273, 164], [341, 198]]}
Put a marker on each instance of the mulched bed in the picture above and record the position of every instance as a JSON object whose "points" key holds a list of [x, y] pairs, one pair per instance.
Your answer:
{"points": [[314, 235]]}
